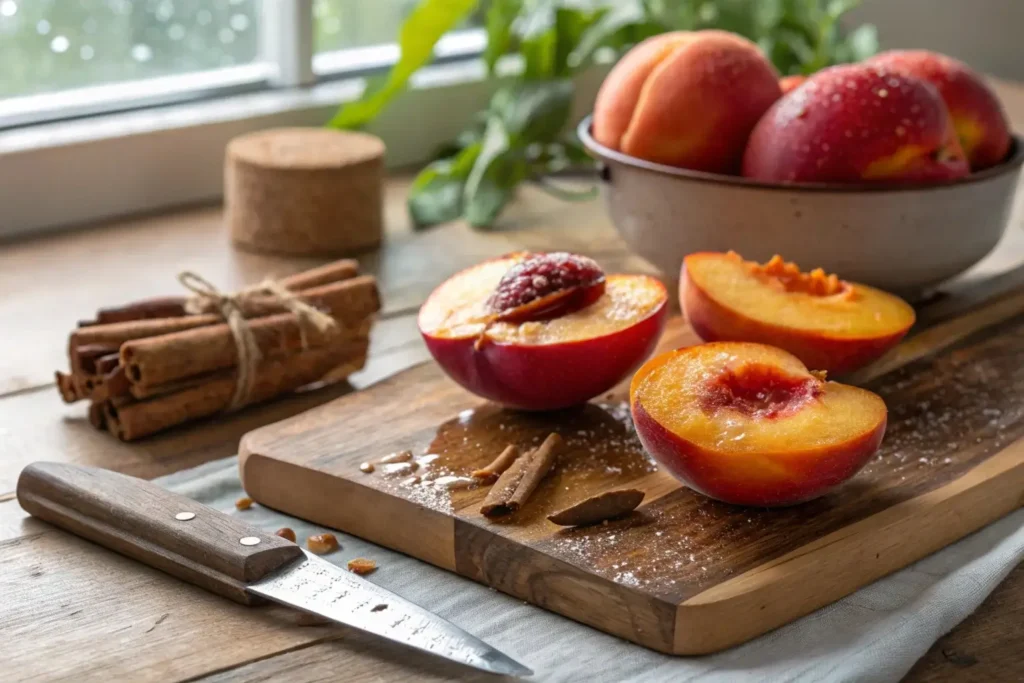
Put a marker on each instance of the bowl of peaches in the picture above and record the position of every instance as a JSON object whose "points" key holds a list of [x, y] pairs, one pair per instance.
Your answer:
{"points": [[898, 172]]}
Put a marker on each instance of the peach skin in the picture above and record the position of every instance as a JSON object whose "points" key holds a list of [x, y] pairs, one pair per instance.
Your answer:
{"points": [[788, 83], [856, 124], [485, 328], [749, 424], [978, 116], [686, 99], [827, 323]]}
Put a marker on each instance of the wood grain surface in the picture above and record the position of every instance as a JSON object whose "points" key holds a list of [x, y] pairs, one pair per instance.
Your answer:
{"points": [[59, 620], [682, 574]]}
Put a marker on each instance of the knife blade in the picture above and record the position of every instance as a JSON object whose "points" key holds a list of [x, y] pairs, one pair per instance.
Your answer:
{"points": [[226, 556]]}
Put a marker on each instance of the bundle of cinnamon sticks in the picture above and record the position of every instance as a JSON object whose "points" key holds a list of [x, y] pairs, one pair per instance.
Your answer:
{"points": [[153, 364]]}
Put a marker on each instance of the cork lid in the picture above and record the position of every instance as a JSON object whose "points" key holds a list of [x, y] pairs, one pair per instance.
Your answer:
{"points": [[305, 148]]}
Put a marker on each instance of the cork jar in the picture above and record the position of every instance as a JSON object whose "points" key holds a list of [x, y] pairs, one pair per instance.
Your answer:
{"points": [[304, 191]]}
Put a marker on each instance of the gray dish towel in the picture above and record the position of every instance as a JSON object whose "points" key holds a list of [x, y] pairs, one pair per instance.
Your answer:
{"points": [[875, 634]]}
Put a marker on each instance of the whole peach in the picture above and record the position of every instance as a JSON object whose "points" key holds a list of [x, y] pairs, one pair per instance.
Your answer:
{"points": [[978, 116], [687, 99], [856, 123]]}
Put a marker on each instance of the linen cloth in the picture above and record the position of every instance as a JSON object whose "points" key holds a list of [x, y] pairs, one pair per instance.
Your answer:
{"points": [[875, 634]]}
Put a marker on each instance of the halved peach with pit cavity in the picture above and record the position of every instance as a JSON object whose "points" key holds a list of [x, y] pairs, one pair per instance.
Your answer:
{"points": [[826, 322], [590, 331], [749, 424]]}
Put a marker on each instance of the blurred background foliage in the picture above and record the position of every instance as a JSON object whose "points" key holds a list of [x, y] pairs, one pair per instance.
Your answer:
{"points": [[525, 132]]}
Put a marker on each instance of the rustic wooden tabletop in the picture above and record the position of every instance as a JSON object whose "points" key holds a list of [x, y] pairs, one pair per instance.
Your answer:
{"points": [[74, 610]]}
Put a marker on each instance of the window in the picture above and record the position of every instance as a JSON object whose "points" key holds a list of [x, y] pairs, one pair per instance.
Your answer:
{"points": [[50, 45], [146, 94], [340, 24]]}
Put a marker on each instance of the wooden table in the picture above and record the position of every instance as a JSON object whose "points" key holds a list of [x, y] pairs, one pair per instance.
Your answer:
{"points": [[70, 609]]}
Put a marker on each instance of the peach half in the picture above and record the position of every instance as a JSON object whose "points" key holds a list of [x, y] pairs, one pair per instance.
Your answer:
{"points": [[485, 329], [827, 323], [749, 424]]}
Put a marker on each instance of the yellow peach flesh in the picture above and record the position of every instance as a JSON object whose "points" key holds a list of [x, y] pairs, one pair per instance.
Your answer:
{"points": [[458, 309], [673, 394], [851, 311]]}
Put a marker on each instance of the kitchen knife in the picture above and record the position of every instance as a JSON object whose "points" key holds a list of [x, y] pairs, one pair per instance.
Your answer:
{"points": [[226, 556]]}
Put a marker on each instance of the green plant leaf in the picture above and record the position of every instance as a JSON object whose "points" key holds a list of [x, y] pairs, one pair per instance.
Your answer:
{"points": [[497, 171], [430, 20], [570, 25], [535, 111], [539, 43], [436, 194], [612, 29], [501, 14], [495, 143]]}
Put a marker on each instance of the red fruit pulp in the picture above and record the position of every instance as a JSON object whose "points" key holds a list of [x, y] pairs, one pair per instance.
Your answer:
{"points": [[544, 286]]}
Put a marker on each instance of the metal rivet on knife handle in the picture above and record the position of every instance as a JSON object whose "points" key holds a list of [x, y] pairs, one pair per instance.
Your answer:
{"points": [[185, 516], [249, 540]]}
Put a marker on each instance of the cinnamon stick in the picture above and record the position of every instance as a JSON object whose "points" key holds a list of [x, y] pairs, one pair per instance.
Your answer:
{"points": [[170, 357], [97, 416], [273, 376], [158, 307], [116, 334], [145, 391], [105, 364], [322, 275], [174, 306], [515, 486], [105, 387], [607, 505], [90, 353], [490, 472]]}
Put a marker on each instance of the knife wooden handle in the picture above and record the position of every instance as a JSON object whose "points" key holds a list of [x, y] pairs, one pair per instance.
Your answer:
{"points": [[154, 526]]}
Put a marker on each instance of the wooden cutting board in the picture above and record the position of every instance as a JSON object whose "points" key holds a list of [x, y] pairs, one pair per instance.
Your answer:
{"points": [[683, 574]]}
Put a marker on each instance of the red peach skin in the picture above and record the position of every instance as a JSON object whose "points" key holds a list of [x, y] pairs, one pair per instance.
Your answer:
{"points": [[758, 443], [548, 376], [978, 116], [814, 474], [856, 123]]}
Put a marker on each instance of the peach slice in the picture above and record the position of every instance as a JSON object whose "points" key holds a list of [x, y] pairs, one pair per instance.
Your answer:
{"points": [[826, 322], [589, 333], [749, 424]]}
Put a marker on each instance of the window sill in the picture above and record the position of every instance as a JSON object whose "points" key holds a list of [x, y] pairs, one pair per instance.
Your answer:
{"points": [[65, 174]]}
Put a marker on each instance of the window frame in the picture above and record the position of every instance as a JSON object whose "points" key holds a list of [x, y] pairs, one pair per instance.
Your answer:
{"points": [[157, 143]]}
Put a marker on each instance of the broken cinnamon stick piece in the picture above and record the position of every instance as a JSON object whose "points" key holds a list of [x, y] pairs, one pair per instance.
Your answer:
{"points": [[515, 486], [490, 472], [608, 505]]}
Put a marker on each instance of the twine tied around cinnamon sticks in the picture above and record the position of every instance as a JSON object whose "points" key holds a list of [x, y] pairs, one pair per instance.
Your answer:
{"points": [[235, 307]]}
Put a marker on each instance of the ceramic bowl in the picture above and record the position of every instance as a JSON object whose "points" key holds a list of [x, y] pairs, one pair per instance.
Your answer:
{"points": [[904, 239]]}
